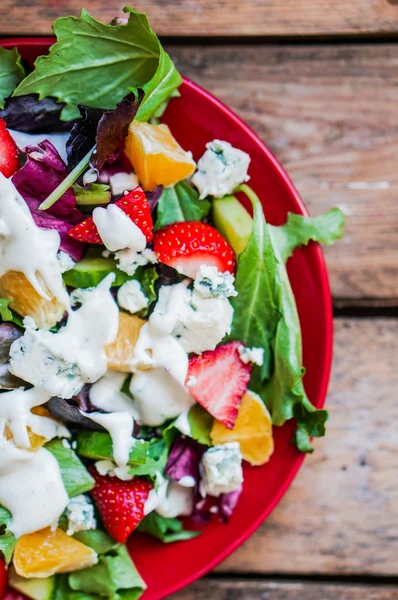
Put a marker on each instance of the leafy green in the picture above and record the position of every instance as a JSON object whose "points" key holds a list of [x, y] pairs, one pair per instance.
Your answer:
{"points": [[11, 72], [5, 313], [165, 529], [299, 230], [200, 426], [77, 480], [147, 276], [95, 194], [63, 592], [97, 445], [155, 461], [94, 64], [7, 539], [180, 203], [159, 112], [96, 539], [255, 312], [114, 574]]}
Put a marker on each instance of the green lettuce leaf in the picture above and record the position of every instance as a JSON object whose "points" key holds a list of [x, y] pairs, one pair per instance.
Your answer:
{"points": [[200, 426], [96, 539], [147, 277], [155, 461], [97, 445], [180, 203], [5, 313], [299, 231], [255, 312], [164, 529], [62, 591], [95, 64], [7, 539], [114, 577], [11, 72], [77, 480]]}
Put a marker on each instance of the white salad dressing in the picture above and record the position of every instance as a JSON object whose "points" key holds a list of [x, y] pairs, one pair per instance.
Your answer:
{"points": [[31, 488], [15, 407], [131, 297], [120, 426], [177, 502], [122, 182], [117, 230], [61, 363], [26, 248], [108, 467], [106, 394]]}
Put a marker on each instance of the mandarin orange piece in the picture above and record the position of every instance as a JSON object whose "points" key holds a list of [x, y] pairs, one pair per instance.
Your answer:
{"points": [[156, 156], [27, 302], [120, 352], [252, 429], [45, 552]]}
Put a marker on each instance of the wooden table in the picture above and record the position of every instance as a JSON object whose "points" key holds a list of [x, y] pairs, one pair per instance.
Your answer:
{"points": [[318, 81]]}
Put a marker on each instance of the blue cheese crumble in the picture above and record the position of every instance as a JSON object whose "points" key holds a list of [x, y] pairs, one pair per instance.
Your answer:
{"points": [[210, 283], [221, 470], [131, 297], [129, 261], [80, 513], [221, 169], [251, 355]]}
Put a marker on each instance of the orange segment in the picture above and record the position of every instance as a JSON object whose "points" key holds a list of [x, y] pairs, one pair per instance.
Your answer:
{"points": [[156, 156], [120, 352], [253, 430], [36, 441], [27, 302], [46, 552]]}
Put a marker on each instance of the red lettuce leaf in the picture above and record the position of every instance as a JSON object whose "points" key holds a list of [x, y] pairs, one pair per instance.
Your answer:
{"points": [[184, 459], [31, 115]]}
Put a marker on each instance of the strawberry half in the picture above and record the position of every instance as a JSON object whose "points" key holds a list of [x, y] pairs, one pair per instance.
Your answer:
{"points": [[8, 152], [120, 503], [188, 245], [136, 207], [221, 380]]}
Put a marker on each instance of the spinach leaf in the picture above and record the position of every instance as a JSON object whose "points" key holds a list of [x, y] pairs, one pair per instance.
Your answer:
{"points": [[114, 574], [7, 539], [94, 64], [97, 445], [180, 203], [164, 529], [255, 311], [11, 72], [76, 479], [299, 230]]}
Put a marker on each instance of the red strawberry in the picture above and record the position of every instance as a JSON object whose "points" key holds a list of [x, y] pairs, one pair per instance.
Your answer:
{"points": [[8, 152], [187, 245], [120, 503], [221, 380], [134, 204]]}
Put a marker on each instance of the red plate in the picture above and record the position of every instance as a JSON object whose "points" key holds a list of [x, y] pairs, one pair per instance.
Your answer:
{"points": [[196, 118]]}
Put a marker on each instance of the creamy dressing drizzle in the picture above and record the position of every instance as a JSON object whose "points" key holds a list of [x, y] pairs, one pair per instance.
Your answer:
{"points": [[117, 230], [120, 427], [26, 248], [106, 395]]}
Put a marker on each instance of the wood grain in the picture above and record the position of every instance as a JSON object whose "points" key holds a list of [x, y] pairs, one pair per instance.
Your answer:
{"points": [[274, 590], [217, 17], [340, 516], [329, 113]]}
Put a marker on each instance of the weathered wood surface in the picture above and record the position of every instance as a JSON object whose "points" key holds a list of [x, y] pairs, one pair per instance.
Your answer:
{"points": [[274, 590], [221, 17], [340, 515], [329, 113]]}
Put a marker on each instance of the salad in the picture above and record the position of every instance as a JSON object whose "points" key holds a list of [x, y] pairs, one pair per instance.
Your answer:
{"points": [[149, 337]]}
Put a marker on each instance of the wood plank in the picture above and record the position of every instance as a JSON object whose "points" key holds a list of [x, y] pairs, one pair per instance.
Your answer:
{"points": [[329, 114], [274, 590], [340, 515], [221, 17]]}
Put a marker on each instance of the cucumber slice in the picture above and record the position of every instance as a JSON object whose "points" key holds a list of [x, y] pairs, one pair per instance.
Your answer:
{"points": [[233, 221], [37, 589], [89, 272]]}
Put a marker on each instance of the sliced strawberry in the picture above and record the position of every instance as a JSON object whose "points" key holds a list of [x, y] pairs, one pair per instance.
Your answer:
{"points": [[221, 380], [8, 152], [3, 577], [187, 245], [134, 204], [120, 503]]}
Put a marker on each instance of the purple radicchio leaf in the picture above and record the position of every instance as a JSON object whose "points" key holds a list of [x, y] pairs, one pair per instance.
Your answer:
{"points": [[69, 413], [227, 504], [31, 115], [106, 129], [153, 197], [69, 245], [8, 381], [43, 171], [184, 459], [211, 506], [8, 334]]}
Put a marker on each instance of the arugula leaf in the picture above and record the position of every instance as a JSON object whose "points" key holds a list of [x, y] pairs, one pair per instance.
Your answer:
{"points": [[97, 445], [113, 574], [255, 312], [76, 479], [11, 72], [180, 203], [164, 529], [7, 539], [155, 461], [299, 231], [92, 64]]}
